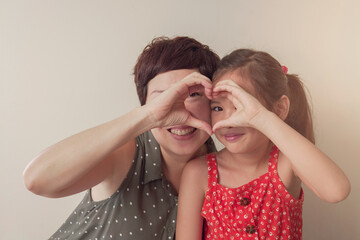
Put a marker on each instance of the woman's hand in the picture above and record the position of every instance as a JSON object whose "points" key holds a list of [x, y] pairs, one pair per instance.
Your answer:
{"points": [[169, 108], [247, 107]]}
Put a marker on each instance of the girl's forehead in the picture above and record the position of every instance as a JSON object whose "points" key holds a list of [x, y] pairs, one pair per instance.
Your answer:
{"points": [[240, 79]]}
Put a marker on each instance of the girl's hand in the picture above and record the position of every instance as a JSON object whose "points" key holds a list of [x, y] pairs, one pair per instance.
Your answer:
{"points": [[169, 108], [247, 107], [299, 157]]}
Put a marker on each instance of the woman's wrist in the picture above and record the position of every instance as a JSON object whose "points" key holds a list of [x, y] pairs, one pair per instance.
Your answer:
{"points": [[142, 119]]}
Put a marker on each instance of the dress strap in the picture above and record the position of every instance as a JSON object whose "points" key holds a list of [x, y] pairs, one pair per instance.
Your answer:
{"points": [[212, 169], [273, 159]]}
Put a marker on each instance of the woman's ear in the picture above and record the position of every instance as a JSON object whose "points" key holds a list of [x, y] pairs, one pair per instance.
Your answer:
{"points": [[282, 107]]}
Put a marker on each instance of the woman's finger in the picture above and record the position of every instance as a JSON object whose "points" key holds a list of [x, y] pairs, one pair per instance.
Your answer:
{"points": [[199, 124], [194, 81], [197, 79]]}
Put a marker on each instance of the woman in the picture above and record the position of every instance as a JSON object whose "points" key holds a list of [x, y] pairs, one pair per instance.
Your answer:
{"points": [[132, 165]]}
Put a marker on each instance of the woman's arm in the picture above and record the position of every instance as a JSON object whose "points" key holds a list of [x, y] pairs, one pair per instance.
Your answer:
{"points": [[191, 197], [102, 155], [318, 172], [87, 158]]}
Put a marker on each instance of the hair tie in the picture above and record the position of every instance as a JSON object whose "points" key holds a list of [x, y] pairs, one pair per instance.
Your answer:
{"points": [[284, 69]]}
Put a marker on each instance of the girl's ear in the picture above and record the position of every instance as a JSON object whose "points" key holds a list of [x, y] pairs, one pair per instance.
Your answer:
{"points": [[282, 107]]}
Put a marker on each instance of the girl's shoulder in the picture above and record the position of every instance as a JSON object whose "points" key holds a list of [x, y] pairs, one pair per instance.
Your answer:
{"points": [[198, 164], [196, 170]]}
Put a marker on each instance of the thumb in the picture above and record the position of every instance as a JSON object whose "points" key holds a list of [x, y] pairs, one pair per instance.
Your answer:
{"points": [[196, 123], [221, 124]]}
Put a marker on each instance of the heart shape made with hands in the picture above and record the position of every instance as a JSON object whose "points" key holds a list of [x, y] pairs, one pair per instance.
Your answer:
{"points": [[169, 108], [246, 106]]}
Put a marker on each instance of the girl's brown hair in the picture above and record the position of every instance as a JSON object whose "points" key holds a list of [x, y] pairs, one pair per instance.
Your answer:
{"points": [[270, 83]]}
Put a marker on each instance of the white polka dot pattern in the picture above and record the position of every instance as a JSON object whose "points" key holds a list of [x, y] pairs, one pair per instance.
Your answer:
{"points": [[260, 209], [143, 207]]}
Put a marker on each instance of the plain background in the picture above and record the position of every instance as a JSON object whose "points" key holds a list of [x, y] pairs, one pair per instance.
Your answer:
{"points": [[67, 65]]}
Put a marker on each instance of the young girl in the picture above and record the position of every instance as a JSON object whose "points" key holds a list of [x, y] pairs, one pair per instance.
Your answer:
{"points": [[252, 188]]}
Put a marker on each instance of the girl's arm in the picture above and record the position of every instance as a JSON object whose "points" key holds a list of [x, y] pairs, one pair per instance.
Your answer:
{"points": [[103, 155], [191, 197], [318, 172]]}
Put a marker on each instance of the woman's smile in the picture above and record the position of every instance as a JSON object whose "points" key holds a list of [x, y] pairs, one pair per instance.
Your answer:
{"points": [[182, 132]]}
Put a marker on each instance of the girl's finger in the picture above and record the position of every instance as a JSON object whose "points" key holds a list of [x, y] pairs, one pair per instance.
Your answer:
{"points": [[220, 94], [222, 124], [240, 94], [238, 105], [227, 82], [230, 97]]}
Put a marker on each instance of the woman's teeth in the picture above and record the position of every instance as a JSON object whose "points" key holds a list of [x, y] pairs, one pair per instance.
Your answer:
{"points": [[182, 132]]}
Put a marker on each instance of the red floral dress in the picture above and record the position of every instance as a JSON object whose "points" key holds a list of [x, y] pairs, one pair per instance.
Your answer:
{"points": [[260, 209]]}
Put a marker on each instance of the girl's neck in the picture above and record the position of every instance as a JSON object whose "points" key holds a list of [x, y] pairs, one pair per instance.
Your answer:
{"points": [[250, 160], [252, 157]]}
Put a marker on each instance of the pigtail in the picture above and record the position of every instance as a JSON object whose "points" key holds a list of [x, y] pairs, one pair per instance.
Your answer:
{"points": [[299, 116], [269, 81]]}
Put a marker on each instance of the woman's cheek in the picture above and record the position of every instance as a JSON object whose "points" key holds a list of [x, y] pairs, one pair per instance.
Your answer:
{"points": [[199, 108], [214, 118]]}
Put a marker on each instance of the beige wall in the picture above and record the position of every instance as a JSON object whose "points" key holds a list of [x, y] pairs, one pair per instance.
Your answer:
{"points": [[66, 66]]}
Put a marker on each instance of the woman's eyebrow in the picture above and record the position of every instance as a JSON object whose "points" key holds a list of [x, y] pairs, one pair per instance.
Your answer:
{"points": [[156, 91]]}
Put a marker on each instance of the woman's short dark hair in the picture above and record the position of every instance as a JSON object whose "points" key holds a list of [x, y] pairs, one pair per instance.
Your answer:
{"points": [[164, 54]]}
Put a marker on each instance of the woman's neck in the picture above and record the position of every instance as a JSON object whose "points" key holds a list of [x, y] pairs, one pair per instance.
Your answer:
{"points": [[173, 164]]}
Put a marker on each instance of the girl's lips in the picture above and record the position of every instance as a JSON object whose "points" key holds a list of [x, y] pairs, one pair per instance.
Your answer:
{"points": [[231, 137]]}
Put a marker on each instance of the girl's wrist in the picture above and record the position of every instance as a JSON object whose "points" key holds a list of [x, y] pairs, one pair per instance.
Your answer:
{"points": [[262, 120]]}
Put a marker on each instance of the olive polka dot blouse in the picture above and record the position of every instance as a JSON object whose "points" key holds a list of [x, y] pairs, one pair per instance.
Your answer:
{"points": [[143, 207]]}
